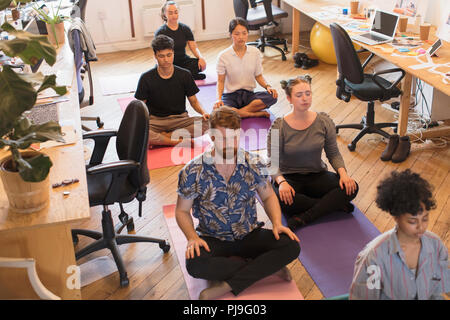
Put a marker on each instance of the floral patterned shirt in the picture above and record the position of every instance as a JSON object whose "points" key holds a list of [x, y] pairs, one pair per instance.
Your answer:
{"points": [[226, 211]]}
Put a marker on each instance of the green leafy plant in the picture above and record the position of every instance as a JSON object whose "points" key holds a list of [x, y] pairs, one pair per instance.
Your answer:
{"points": [[52, 18], [18, 93]]}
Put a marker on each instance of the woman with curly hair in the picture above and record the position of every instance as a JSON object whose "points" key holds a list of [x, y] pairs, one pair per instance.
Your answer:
{"points": [[407, 262]]}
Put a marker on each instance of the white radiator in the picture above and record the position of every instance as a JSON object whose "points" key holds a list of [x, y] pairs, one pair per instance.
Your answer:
{"points": [[152, 20]]}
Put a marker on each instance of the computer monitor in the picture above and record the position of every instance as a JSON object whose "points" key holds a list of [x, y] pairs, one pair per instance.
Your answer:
{"points": [[385, 23]]}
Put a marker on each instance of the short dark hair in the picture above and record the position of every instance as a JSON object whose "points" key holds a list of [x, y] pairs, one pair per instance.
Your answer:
{"points": [[404, 192], [225, 117], [236, 22], [162, 42]]}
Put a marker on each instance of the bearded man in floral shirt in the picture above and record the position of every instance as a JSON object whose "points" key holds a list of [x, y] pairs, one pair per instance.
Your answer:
{"points": [[220, 186]]}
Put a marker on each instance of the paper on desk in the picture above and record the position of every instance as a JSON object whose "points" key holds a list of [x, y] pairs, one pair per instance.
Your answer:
{"points": [[69, 136]]}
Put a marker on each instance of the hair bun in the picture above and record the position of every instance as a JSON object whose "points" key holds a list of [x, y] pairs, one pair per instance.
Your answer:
{"points": [[283, 84]]}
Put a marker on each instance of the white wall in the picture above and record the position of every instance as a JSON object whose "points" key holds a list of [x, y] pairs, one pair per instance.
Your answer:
{"points": [[113, 31], [109, 22]]}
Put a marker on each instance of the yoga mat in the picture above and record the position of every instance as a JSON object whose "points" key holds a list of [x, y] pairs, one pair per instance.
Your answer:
{"points": [[211, 78], [162, 157], [329, 248], [255, 130], [111, 85], [270, 288]]}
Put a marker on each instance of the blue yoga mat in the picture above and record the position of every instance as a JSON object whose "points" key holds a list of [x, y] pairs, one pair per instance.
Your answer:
{"points": [[329, 248]]}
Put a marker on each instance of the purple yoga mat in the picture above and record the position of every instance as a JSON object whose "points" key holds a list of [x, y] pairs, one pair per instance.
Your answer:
{"points": [[329, 248], [255, 130]]}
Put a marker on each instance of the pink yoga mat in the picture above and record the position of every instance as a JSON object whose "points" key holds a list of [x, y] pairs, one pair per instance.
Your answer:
{"points": [[162, 157], [270, 288], [211, 78]]}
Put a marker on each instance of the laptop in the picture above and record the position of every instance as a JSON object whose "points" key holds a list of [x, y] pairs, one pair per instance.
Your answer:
{"points": [[382, 30]]}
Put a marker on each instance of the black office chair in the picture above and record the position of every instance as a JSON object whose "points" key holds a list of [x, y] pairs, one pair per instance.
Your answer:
{"points": [[366, 87], [257, 17], [120, 181]]}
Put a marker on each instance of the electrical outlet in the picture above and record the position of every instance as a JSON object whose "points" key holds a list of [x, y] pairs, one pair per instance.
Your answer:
{"points": [[102, 15]]}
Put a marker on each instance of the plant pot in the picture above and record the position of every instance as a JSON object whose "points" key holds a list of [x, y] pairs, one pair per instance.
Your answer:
{"points": [[59, 31], [23, 196]]}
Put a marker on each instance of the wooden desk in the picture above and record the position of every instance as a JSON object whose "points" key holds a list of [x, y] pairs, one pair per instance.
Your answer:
{"points": [[310, 6], [46, 235]]}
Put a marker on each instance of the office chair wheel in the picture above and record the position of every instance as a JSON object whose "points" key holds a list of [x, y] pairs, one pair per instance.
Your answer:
{"points": [[124, 282], [351, 146], [165, 247], [75, 240], [130, 225], [395, 129], [283, 57], [100, 124]]}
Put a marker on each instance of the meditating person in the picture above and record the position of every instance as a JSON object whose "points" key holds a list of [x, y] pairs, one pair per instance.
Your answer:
{"points": [[407, 262], [305, 188], [164, 89], [220, 187], [238, 67], [181, 35]]}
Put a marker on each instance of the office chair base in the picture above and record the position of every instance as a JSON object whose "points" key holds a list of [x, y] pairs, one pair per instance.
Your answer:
{"points": [[264, 42], [125, 220], [110, 240], [367, 125]]}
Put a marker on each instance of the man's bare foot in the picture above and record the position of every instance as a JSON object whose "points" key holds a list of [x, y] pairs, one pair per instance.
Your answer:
{"points": [[284, 274], [216, 290]]}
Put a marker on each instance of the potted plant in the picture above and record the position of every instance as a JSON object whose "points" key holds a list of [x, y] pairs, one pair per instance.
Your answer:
{"points": [[24, 174], [54, 22]]}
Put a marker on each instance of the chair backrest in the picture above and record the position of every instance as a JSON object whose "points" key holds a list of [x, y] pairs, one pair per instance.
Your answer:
{"points": [[132, 141], [78, 55], [348, 62], [241, 8], [79, 9]]}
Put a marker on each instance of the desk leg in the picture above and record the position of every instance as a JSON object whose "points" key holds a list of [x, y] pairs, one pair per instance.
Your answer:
{"points": [[404, 105], [295, 30], [52, 248]]}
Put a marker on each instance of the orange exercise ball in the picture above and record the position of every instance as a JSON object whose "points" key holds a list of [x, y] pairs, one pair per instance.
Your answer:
{"points": [[322, 43]]}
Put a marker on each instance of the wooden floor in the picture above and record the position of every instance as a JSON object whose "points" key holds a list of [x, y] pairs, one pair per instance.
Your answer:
{"points": [[154, 275]]}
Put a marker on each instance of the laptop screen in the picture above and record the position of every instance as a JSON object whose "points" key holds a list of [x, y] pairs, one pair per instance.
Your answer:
{"points": [[384, 23]]}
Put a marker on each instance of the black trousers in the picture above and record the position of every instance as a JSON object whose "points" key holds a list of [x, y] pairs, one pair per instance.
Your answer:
{"points": [[262, 256], [316, 195], [190, 64]]}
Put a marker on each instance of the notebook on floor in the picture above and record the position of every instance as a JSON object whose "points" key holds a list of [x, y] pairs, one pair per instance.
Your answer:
{"points": [[382, 30]]}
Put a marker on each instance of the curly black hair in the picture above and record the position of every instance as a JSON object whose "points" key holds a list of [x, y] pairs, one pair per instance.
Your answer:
{"points": [[404, 192], [162, 42]]}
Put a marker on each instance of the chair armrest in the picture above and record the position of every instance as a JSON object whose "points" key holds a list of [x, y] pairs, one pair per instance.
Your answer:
{"points": [[101, 139], [389, 71], [99, 133], [122, 166]]}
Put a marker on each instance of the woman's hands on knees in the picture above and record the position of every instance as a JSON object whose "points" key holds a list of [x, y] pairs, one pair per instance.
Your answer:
{"points": [[348, 183], [286, 192]]}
